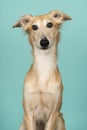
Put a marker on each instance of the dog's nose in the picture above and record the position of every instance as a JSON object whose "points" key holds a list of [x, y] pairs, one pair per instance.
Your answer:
{"points": [[44, 43]]}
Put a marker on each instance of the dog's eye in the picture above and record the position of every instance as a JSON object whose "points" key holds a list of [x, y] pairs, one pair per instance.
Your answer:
{"points": [[49, 25], [34, 27]]}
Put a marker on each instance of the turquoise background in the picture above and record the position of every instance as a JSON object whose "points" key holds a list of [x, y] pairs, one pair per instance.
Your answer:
{"points": [[16, 58]]}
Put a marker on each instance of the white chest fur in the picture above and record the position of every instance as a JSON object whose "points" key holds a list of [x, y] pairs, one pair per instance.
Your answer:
{"points": [[45, 64], [42, 95]]}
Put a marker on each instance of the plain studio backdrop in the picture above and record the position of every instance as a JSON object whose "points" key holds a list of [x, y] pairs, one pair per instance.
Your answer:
{"points": [[16, 58]]}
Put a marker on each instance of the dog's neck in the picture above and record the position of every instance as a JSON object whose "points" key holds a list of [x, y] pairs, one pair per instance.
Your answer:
{"points": [[45, 62]]}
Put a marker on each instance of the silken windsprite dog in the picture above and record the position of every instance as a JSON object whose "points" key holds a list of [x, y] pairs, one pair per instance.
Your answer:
{"points": [[42, 97]]}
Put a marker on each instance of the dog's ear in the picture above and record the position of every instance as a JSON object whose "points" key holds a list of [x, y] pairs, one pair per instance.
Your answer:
{"points": [[59, 17], [23, 22]]}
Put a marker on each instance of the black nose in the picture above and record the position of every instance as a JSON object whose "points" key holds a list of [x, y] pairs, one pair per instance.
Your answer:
{"points": [[44, 43]]}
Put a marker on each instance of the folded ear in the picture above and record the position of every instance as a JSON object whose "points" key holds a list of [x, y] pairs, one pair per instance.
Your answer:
{"points": [[59, 17], [23, 22]]}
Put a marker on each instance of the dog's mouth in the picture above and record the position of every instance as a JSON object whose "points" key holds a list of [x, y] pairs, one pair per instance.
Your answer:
{"points": [[44, 48]]}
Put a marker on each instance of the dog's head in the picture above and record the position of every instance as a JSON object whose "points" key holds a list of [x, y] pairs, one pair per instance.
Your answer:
{"points": [[43, 30]]}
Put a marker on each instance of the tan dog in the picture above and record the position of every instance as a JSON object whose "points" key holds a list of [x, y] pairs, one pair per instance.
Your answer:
{"points": [[43, 87]]}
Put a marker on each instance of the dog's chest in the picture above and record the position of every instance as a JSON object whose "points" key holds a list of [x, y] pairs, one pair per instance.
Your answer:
{"points": [[42, 91], [42, 98]]}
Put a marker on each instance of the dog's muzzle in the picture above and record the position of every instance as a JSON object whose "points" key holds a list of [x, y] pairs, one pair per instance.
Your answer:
{"points": [[44, 43]]}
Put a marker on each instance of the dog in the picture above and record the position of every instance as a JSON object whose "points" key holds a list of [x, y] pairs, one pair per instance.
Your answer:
{"points": [[43, 88]]}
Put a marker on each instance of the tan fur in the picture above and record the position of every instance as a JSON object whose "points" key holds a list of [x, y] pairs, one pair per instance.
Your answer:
{"points": [[42, 97]]}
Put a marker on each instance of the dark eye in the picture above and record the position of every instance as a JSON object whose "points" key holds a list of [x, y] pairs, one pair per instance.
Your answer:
{"points": [[34, 27], [49, 25]]}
